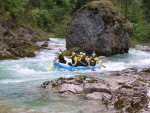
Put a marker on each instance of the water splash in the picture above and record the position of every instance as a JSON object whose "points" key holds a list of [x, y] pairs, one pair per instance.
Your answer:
{"points": [[19, 78]]}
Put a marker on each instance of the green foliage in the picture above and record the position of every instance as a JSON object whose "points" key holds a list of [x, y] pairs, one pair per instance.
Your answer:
{"points": [[53, 16], [13, 10], [146, 7], [50, 15], [139, 14], [142, 32], [99, 5]]}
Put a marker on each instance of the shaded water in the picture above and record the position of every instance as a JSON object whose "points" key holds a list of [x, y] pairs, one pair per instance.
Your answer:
{"points": [[20, 81]]}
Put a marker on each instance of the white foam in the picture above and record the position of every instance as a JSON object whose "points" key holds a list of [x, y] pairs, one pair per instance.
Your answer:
{"points": [[53, 39], [11, 81], [115, 66], [45, 57], [24, 70], [142, 63]]}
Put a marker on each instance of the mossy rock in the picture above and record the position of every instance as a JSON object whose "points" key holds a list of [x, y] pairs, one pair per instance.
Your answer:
{"points": [[101, 5], [111, 13], [97, 26]]}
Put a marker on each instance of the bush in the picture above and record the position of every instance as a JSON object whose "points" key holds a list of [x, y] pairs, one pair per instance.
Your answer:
{"points": [[142, 32]]}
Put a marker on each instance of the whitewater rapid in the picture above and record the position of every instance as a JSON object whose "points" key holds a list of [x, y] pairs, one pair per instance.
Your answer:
{"points": [[20, 80]]}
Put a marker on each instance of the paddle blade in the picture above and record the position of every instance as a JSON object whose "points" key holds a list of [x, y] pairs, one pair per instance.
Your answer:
{"points": [[50, 67], [102, 66], [92, 69]]}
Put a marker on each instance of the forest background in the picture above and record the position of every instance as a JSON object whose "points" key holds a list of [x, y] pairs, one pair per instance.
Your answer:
{"points": [[52, 16]]}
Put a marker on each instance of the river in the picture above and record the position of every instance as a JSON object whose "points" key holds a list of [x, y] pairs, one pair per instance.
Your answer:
{"points": [[20, 81]]}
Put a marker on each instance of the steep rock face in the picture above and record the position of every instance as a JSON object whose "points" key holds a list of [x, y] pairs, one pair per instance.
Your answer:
{"points": [[22, 43], [13, 48], [97, 27]]}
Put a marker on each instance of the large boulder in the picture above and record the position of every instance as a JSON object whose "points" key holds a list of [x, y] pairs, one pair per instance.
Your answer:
{"points": [[98, 27]]}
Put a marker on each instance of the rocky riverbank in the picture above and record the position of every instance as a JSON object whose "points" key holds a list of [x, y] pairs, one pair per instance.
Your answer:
{"points": [[17, 48], [142, 48], [126, 91], [19, 44]]}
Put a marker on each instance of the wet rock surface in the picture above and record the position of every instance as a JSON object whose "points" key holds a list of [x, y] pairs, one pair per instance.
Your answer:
{"points": [[13, 48], [19, 44], [22, 32], [142, 48], [131, 97], [98, 27], [127, 94]]}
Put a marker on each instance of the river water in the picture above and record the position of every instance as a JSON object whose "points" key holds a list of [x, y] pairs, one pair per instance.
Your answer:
{"points": [[20, 81]]}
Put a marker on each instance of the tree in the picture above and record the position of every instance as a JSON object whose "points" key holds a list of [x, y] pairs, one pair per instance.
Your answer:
{"points": [[146, 7]]}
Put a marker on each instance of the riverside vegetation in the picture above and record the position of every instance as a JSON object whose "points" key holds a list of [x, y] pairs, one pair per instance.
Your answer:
{"points": [[52, 16]]}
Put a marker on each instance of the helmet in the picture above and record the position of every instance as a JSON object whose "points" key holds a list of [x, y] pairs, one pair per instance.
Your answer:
{"points": [[59, 53], [84, 53], [73, 53], [81, 53], [93, 54]]}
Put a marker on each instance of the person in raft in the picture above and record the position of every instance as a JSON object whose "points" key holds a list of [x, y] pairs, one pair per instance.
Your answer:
{"points": [[75, 61], [94, 60], [60, 58]]}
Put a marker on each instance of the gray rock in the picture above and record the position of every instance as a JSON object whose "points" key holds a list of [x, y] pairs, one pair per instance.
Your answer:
{"points": [[72, 88], [96, 87], [97, 27], [98, 96], [12, 48], [9, 33], [142, 48], [129, 98], [45, 44], [123, 94]]}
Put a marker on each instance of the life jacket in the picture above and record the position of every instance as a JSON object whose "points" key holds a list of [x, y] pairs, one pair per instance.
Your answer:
{"points": [[73, 61], [62, 59], [83, 61], [92, 62]]}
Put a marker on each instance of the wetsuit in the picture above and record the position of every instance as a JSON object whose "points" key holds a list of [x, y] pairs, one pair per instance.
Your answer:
{"points": [[75, 61], [83, 61], [60, 59]]}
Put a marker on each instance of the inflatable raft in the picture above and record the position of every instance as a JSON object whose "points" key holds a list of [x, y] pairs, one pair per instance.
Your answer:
{"points": [[71, 68]]}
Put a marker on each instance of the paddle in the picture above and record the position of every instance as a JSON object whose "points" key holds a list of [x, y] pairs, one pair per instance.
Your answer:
{"points": [[91, 68], [102, 65], [50, 66]]}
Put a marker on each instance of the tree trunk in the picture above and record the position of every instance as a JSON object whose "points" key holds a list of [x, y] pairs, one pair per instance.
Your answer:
{"points": [[126, 9]]}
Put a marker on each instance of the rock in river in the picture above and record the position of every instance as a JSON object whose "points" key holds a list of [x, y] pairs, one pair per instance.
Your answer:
{"points": [[98, 27]]}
